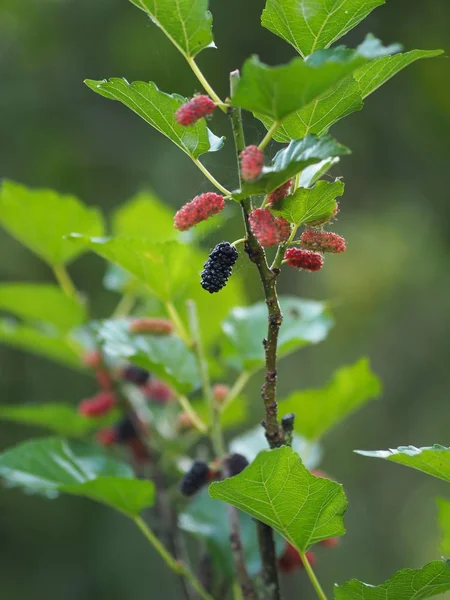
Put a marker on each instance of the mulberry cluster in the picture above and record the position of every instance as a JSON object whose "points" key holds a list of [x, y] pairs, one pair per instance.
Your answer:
{"points": [[322, 241], [135, 375], [154, 326], [199, 209], [124, 432], [268, 230], [195, 478], [252, 163], [198, 107], [99, 405], [158, 392], [218, 267], [281, 192], [304, 259]]}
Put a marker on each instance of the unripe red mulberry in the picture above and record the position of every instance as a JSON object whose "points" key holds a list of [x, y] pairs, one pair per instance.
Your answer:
{"points": [[199, 209], [184, 422], [268, 230], [280, 192], [304, 259], [98, 405], [252, 163], [291, 560], [151, 325], [104, 379], [322, 241], [93, 359], [325, 219], [158, 391], [220, 392], [330, 543], [106, 437], [195, 478], [198, 107]]}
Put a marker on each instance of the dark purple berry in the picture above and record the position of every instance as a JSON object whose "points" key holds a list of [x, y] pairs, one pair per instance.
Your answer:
{"points": [[195, 478], [236, 463], [218, 267], [135, 375], [125, 430]]}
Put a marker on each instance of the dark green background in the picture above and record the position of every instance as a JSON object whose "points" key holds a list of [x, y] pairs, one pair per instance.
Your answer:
{"points": [[390, 291]]}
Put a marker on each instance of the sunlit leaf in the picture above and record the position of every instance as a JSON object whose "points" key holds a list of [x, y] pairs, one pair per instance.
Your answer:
{"points": [[291, 160], [309, 205], [319, 410], [444, 524], [52, 466], [40, 220], [62, 419], [304, 322], [33, 340], [167, 356], [158, 110], [187, 23], [277, 92], [434, 460], [278, 490], [408, 584], [310, 26]]}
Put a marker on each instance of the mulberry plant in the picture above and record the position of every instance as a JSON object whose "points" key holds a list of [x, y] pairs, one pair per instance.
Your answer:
{"points": [[170, 366]]}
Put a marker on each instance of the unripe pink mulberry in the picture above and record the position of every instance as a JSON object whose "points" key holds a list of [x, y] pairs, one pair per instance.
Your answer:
{"points": [[291, 560], [198, 107], [280, 192], [220, 392], [268, 230], [304, 259], [252, 163], [99, 405], [151, 325], [93, 359], [322, 241], [284, 229], [158, 391], [197, 210], [325, 219]]}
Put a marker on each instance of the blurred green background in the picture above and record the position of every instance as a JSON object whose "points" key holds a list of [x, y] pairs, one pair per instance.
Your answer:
{"points": [[390, 291]]}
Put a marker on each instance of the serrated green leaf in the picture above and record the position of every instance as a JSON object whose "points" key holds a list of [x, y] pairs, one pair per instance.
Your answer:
{"points": [[433, 460], [208, 521], [62, 419], [309, 205], [158, 110], [187, 23], [408, 584], [167, 356], [278, 490], [277, 92], [345, 98], [313, 173], [145, 215], [33, 340], [444, 524], [319, 410], [310, 26], [290, 161], [51, 466], [304, 322], [40, 220], [42, 302], [165, 268]]}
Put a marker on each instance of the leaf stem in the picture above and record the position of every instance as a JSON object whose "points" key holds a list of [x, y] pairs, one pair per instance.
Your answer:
{"points": [[179, 325], [236, 389], [125, 305], [206, 85], [176, 566], [64, 280], [269, 135], [211, 177], [312, 576]]}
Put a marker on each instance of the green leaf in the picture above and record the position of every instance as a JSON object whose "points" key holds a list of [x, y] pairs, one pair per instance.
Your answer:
{"points": [[33, 340], [145, 215], [304, 322], [310, 26], [277, 92], [42, 302], [165, 268], [51, 466], [444, 523], [408, 584], [320, 410], [167, 357], [290, 161], [309, 205], [60, 418], [434, 460], [158, 110], [40, 220], [313, 173], [279, 491], [187, 23], [251, 442], [346, 97]]}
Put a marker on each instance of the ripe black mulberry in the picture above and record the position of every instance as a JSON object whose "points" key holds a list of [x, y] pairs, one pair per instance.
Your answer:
{"points": [[218, 267]]}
